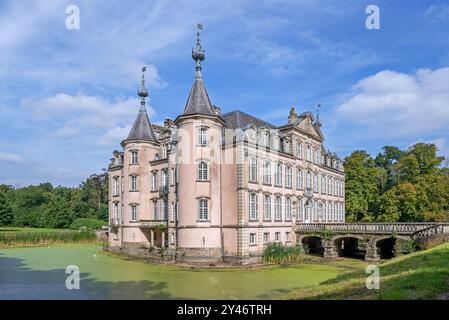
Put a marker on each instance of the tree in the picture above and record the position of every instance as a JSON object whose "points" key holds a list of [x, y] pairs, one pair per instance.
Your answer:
{"points": [[362, 186], [6, 216]]}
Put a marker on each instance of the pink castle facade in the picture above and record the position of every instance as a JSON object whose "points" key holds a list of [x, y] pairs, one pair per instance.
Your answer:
{"points": [[211, 186]]}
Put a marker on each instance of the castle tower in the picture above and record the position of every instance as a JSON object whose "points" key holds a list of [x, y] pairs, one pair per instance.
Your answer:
{"points": [[199, 150], [132, 178]]}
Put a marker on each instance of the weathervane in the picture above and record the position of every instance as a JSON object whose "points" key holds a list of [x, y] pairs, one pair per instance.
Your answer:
{"points": [[198, 54], [317, 121], [143, 92]]}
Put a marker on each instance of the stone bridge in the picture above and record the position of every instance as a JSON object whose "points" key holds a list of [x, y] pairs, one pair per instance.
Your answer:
{"points": [[375, 240]]}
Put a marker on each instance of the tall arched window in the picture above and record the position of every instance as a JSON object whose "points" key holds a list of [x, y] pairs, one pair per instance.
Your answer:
{"points": [[309, 180], [253, 169], [202, 171], [203, 210], [202, 136]]}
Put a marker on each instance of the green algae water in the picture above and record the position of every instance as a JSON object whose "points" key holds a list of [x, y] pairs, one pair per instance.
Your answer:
{"points": [[39, 273]]}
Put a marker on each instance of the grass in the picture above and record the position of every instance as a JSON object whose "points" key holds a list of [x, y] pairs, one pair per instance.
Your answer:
{"points": [[23, 237], [420, 275]]}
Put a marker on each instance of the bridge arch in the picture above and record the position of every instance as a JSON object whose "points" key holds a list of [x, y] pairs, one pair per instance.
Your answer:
{"points": [[314, 243], [349, 245], [385, 245]]}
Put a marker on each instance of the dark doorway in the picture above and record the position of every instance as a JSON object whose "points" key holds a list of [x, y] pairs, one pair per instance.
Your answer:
{"points": [[313, 244], [386, 248], [349, 247]]}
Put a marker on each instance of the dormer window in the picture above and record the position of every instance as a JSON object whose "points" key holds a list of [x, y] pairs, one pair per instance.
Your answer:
{"points": [[134, 157], [202, 136], [163, 151], [309, 153], [287, 146]]}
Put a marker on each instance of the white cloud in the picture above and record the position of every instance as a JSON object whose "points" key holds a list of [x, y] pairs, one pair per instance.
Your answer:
{"points": [[10, 157], [115, 135], [397, 104]]}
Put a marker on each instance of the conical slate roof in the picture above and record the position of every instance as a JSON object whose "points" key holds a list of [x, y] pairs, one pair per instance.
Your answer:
{"points": [[198, 101], [142, 129]]}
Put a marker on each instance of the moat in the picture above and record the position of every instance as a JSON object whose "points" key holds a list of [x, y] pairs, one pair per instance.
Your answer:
{"points": [[39, 273]]}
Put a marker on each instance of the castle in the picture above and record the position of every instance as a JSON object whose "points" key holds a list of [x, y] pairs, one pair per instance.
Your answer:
{"points": [[211, 186]]}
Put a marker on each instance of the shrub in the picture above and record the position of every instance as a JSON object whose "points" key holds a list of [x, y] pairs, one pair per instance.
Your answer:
{"points": [[404, 247], [279, 253], [87, 223]]}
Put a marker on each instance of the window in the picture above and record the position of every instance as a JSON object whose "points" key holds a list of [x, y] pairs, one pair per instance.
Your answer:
{"points": [[287, 146], [299, 153], [157, 210], [203, 210], [202, 171], [278, 176], [164, 178], [329, 213], [154, 181], [323, 184], [267, 207], [252, 169], [266, 237], [329, 183], [301, 210], [134, 157], [278, 208], [252, 206], [309, 153], [315, 182], [309, 180], [275, 143], [299, 179], [172, 176], [133, 213], [288, 177], [277, 236], [252, 238], [115, 211], [267, 172], [115, 186], [133, 183], [265, 139], [288, 208], [287, 236], [202, 136]]}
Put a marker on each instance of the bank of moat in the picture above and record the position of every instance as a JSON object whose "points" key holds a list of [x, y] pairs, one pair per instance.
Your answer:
{"points": [[210, 186]]}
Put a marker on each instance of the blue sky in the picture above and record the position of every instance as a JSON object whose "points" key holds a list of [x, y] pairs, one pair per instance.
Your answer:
{"points": [[68, 97]]}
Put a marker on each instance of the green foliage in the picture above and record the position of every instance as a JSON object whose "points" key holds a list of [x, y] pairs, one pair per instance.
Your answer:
{"points": [[87, 223], [404, 247], [6, 216], [326, 234], [279, 253], [398, 185], [45, 206]]}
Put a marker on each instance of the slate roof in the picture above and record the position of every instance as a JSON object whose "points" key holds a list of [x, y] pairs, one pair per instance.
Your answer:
{"points": [[198, 101], [238, 119], [142, 129]]}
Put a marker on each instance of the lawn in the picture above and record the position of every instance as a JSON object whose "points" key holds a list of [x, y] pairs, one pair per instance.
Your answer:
{"points": [[420, 275]]}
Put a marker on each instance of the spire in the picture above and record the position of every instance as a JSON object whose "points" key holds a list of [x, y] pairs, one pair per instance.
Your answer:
{"points": [[142, 129], [198, 54], [317, 120], [198, 101], [142, 92]]}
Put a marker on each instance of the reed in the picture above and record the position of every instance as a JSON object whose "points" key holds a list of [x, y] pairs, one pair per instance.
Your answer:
{"points": [[279, 253], [30, 238]]}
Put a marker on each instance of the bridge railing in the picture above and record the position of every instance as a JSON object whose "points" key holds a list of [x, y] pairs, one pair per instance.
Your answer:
{"points": [[399, 228]]}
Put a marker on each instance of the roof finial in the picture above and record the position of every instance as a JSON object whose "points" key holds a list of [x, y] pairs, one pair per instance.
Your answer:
{"points": [[198, 54], [317, 121], [142, 92]]}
